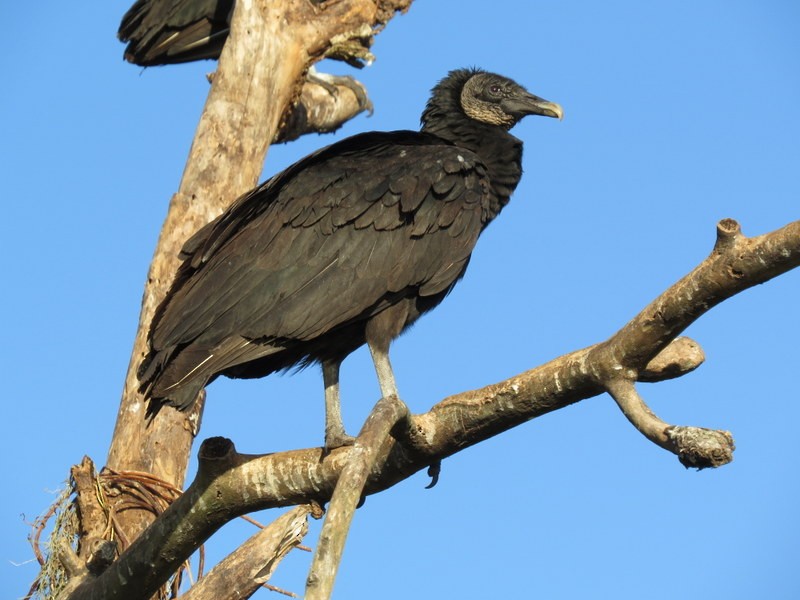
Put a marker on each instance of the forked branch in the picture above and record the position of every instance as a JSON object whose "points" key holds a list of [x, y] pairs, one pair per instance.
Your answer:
{"points": [[646, 349]]}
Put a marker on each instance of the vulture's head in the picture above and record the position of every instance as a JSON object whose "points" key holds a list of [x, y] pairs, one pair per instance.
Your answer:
{"points": [[484, 97]]}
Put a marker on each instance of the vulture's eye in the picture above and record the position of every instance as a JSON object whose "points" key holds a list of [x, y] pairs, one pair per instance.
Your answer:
{"points": [[494, 90]]}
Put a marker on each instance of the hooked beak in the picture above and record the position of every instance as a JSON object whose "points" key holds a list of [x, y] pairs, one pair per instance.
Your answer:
{"points": [[528, 104]]}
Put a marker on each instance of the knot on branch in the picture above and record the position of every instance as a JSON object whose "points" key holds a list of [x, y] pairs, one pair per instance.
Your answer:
{"points": [[215, 456], [681, 356], [216, 448], [701, 448], [728, 234]]}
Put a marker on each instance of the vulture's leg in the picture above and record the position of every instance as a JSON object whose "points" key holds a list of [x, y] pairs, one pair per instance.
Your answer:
{"points": [[380, 356], [379, 332], [335, 435]]}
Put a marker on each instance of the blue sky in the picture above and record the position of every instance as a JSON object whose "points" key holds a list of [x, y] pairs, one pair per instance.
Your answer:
{"points": [[678, 114]]}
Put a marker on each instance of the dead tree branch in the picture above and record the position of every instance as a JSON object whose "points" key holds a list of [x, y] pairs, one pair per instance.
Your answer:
{"points": [[229, 484], [251, 565], [735, 264]]}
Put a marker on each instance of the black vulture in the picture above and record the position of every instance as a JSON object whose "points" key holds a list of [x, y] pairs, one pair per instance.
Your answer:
{"points": [[350, 245]]}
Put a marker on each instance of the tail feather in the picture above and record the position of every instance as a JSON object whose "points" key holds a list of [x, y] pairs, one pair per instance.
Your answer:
{"points": [[163, 32], [181, 398], [175, 376]]}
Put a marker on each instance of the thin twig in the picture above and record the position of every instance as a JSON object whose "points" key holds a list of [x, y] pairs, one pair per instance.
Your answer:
{"points": [[275, 588]]}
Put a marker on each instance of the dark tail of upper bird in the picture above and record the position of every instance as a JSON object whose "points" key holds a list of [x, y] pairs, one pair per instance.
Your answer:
{"points": [[155, 384], [164, 32]]}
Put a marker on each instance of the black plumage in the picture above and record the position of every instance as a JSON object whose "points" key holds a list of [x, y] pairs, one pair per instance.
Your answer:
{"points": [[348, 246], [164, 32]]}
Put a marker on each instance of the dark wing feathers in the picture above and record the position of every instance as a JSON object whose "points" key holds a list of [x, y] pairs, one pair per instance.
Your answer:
{"points": [[161, 32], [327, 187], [328, 242]]}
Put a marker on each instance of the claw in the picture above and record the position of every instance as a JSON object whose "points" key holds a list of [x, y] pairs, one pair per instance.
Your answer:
{"points": [[330, 83], [433, 473]]}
